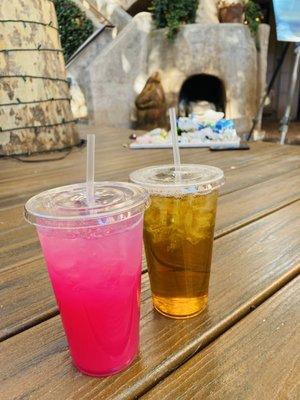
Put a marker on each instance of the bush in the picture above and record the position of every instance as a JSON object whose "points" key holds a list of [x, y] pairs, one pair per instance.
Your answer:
{"points": [[74, 26], [253, 15], [173, 13]]}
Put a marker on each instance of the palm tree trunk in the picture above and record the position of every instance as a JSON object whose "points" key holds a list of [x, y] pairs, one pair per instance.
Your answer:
{"points": [[35, 112]]}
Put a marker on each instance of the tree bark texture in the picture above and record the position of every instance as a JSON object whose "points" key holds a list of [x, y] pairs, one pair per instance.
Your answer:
{"points": [[35, 112]]}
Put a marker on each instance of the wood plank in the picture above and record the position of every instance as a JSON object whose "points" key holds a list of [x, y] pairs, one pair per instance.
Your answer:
{"points": [[119, 166], [11, 217], [258, 358], [26, 297], [112, 140], [244, 274], [112, 149], [15, 191], [19, 243], [22, 259], [241, 207]]}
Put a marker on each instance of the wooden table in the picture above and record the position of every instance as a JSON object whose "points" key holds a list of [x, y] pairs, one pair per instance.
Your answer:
{"points": [[245, 345]]}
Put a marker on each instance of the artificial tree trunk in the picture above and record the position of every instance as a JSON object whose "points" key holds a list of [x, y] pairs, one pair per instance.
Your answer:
{"points": [[35, 112]]}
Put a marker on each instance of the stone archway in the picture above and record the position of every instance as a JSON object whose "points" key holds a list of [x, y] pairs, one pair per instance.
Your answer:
{"points": [[203, 90], [139, 6]]}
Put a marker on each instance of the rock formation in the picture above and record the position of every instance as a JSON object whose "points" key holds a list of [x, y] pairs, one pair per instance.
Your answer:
{"points": [[151, 104]]}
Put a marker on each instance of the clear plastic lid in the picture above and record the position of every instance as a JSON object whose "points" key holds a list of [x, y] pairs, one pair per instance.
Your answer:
{"points": [[191, 179], [67, 206]]}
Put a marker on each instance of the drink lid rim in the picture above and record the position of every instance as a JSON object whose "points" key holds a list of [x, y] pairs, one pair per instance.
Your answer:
{"points": [[132, 206], [196, 185]]}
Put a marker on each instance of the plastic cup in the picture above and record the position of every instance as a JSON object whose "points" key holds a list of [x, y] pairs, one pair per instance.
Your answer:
{"points": [[178, 234], [94, 255]]}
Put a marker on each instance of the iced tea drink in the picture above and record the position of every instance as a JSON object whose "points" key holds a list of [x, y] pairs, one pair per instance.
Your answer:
{"points": [[178, 235]]}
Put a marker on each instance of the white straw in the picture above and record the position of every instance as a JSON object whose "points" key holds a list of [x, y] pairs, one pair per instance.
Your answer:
{"points": [[90, 170], [176, 153]]}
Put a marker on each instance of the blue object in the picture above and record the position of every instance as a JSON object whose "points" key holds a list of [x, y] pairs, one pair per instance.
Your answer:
{"points": [[223, 124], [287, 15]]}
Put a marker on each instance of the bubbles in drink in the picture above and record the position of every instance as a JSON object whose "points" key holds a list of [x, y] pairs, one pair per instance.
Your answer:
{"points": [[178, 237], [93, 251]]}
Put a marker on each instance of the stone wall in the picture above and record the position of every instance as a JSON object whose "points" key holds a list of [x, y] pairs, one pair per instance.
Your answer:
{"points": [[80, 68], [226, 51], [113, 11], [126, 3], [118, 74]]}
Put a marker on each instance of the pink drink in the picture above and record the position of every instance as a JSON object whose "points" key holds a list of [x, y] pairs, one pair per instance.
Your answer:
{"points": [[95, 270]]}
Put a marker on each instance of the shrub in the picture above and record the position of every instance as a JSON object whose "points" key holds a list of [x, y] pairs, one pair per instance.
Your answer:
{"points": [[173, 13], [253, 15], [74, 26]]}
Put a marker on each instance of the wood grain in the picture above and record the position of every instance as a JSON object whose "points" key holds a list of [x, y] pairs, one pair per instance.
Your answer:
{"points": [[241, 170], [112, 139], [113, 146], [19, 243], [21, 257], [249, 265], [258, 358], [246, 205], [11, 217]]}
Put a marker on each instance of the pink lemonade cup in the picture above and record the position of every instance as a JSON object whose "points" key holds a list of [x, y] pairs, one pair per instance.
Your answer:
{"points": [[94, 257]]}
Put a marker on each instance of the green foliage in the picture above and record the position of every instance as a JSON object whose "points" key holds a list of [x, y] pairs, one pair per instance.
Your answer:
{"points": [[74, 26], [173, 13], [253, 15]]}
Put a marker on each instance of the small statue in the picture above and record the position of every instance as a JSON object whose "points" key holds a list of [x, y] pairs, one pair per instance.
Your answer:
{"points": [[151, 105], [231, 11]]}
